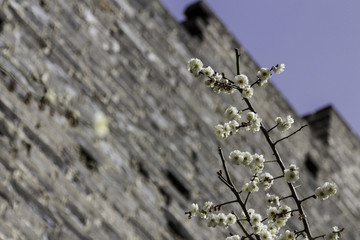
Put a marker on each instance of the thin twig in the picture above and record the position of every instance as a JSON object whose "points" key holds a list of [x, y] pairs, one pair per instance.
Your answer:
{"points": [[272, 128], [312, 196], [225, 203], [247, 197], [290, 134]]}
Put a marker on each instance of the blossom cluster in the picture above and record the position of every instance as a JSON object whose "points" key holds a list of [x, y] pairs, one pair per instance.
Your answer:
{"points": [[219, 83], [213, 220], [325, 191], [215, 80], [291, 174], [284, 125], [255, 162], [252, 123], [264, 182], [276, 219], [202, 213], [242, 82], [272, 200]]}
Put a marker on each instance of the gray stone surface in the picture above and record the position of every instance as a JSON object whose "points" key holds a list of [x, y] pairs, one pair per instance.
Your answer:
{"points": [[128, 59]]}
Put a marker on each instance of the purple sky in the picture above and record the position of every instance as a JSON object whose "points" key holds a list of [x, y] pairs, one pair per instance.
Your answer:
{"points": [[319, 41]]}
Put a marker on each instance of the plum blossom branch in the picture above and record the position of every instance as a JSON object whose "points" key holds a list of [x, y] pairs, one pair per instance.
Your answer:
{"points": [[278, 158], [277, 213]]}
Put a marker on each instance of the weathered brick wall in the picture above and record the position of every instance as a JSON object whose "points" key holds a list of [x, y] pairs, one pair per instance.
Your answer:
{"points": [[127, 59]]}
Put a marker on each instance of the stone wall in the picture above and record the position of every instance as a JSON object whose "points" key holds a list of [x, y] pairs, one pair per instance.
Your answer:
{"points": [[127, 59]]}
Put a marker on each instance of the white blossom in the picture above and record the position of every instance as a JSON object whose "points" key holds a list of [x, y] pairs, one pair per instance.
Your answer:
{"points": [[241, 80], [247, 158], [284, 212], [250, 116], [195, 65], [257, 228], [279, 223], [207, 206], [232, 113], [273, 229], [265, 235], [221, 220], [208, 71], [247, 92], [278, 68], [272, 200], [271, 213], [236, 157], [291, 174], [255, 124], [257, 164], [217, 77], [325, 191], [250, 187], [234, 126], [210, 82], [220, 131], [212, 220], [266, 180], [264, 75], [284, 125], [194, 209], [255, 219], [230, 219]]}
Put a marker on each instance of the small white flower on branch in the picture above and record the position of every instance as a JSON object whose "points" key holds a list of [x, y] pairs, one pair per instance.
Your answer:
{"points": [[195, 65], [207, 206], [255, 219], [264, 75], [208, 71], [257, 164], [265, 235], [325, 191], [221, 220], [284, 125], [212, 220], [247, 92], [230, 219], [220, 131], [266, 181], [292, 174], [257, 228], [272, 200], [250, 186], [232, 113], [241, 81], [236, 157], [273, 229], [194, 209], [278, 68]]}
